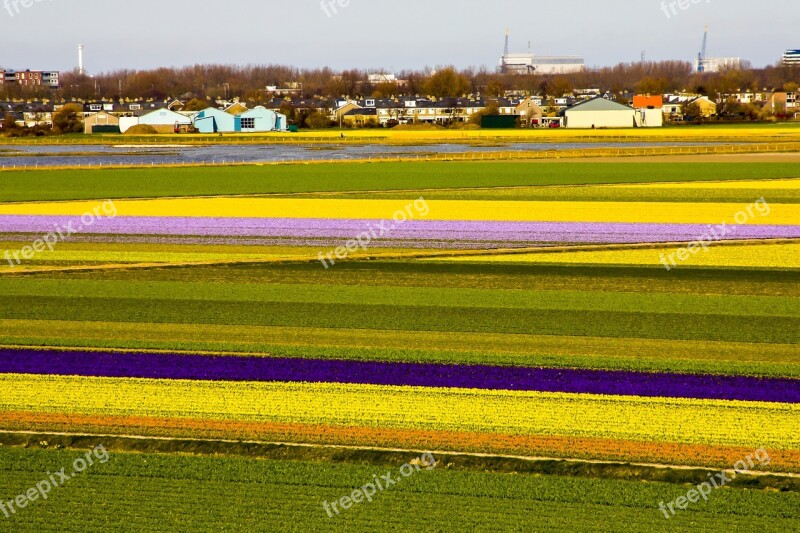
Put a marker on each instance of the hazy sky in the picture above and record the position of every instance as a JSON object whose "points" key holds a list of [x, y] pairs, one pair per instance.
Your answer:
{"points": [[384, 34]]}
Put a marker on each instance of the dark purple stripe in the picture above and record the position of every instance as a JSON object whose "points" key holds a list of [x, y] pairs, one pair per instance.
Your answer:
{"points": [[203, 367]]}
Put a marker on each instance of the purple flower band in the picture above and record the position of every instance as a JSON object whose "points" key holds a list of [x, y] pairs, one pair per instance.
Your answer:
{"points": [[204, 367]]}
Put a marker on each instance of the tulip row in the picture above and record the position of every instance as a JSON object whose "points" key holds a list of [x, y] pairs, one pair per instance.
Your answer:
{"points": [[442, 210]]}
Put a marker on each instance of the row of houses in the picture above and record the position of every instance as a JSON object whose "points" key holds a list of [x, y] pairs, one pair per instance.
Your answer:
{"points": [[597, 112], [526, 110], [585, 111], [442, 111], [785, 104], [30, 113], [30, 78], [780, 102]]}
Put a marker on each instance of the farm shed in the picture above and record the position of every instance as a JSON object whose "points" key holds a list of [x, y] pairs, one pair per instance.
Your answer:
{"points": [[599, 113], [260, 119], [164, 120], [213, 120], [101, 122]]}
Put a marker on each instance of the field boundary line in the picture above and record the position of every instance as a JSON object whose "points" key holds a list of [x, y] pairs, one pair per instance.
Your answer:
{"points": [[443, 254], [527, 458]]}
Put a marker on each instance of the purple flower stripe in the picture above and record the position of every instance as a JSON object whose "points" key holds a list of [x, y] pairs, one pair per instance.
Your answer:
{"points": [[310, 242], [203, 367], [471, 231]]}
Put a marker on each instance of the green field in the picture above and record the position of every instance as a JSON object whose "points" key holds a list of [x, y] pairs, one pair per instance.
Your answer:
{"points": [[156, 492], [464, 298], [403, 311], [20, 186], [588, 193]]}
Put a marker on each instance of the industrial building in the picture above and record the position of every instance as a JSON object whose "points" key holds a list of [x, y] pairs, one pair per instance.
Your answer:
{"points": [[791, 57], [717, 64], [530, 63], [703, 63]]}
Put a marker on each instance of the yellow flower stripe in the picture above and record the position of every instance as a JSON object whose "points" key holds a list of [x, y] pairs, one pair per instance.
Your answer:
{"points": [[714, 422], [739, 256], [645, 212], [787, 183]]}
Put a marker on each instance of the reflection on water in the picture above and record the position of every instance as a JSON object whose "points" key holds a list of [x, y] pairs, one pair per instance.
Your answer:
{"points": [[263, 153]]}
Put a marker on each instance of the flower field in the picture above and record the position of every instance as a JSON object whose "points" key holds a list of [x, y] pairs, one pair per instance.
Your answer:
{"points": [[750, 255], [528, 319], [772, 424]]}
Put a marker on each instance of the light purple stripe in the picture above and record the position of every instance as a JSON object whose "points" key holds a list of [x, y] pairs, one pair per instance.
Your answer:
{"points": [[470, 231]]}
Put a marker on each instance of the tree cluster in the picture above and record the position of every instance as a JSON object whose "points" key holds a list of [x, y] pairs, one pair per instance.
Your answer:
{"points": [[208, 83]]}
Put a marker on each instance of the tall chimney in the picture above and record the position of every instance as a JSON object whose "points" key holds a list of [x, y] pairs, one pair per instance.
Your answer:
{"points": [[80, 60]]}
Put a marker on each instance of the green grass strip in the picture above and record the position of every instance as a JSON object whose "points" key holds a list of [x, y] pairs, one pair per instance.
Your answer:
{"points": [[411, 318], [474, 275], [192, 493], [202, 181], [627, 302], [598, 193]]}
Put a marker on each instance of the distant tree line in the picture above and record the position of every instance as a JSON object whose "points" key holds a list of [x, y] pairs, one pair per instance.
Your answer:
{"points": [[212, 82]]}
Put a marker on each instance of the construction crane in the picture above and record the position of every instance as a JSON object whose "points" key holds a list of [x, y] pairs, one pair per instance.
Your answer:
{"points": [[701, 57]]}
